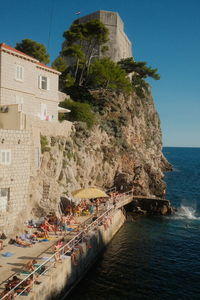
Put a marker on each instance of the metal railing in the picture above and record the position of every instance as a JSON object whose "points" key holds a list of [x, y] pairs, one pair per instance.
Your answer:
{"points": [[67, 247]]}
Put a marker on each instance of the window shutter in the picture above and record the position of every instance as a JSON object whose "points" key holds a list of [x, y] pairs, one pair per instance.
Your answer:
{"points": [[40, 81], [3, 157], [8, 160], [4, 199], [48, 83], [19, 73]]}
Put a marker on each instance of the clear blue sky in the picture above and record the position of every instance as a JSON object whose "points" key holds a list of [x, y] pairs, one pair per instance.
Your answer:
{"points": [[165, 33]]}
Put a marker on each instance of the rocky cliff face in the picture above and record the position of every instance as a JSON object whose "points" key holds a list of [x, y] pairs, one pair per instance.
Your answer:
{"points": [[124, 150]]}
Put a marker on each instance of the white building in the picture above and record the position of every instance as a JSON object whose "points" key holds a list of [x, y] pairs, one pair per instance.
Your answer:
{"points": [[29, 83], [29, 99]]}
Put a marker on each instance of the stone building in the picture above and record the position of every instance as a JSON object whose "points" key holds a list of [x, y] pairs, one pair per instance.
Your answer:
{"points": [[29, 108], [119, 46], [30, 84], [15, 171]]}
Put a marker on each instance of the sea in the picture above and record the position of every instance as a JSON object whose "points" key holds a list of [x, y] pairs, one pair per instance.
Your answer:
{"points": [[155, 258]]}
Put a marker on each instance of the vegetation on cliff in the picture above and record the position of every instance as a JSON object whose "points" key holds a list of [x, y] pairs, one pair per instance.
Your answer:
{"points": [[139, 71], [79, 112], [86, 72], [81, 42]]}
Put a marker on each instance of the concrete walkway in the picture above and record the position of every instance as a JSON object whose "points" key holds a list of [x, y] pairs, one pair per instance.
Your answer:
{"points": [[10, 266], [13, 265]]}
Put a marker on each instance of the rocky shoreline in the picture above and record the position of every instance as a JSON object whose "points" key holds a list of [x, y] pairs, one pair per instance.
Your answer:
{"points": [[152, 207]]}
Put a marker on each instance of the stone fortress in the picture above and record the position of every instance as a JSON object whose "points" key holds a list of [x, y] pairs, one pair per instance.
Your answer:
{"points": [[119, 46]]}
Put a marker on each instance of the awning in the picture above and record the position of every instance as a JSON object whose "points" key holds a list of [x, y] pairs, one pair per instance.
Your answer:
{"points": [[88, 193], [63, 110]]}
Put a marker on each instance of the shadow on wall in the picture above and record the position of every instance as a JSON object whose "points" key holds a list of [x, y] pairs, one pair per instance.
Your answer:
{"points": [[84, 263]]}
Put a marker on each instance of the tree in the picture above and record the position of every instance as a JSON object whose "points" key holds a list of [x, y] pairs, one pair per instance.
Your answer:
{"points": [[140, 67], [82, 44], [59, 64], [105, 73], [139, 71], [76, 54], [34, 49], [65, 79]]}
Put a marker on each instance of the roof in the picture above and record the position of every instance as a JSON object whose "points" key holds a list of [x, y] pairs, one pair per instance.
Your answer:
{"points": [[26, 56]]}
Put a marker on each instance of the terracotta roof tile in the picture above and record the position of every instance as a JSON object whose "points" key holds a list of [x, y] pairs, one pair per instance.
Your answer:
{"points": [[5, 46]]}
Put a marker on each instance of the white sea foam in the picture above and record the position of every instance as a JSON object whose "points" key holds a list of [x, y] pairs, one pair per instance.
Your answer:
{"points": [[186, 212]]}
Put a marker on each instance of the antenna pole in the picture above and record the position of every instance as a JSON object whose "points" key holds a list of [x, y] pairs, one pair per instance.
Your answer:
{"points": [[50, 24]]}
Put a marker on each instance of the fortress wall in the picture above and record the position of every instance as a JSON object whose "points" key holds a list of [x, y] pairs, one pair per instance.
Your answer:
{"points": [[119, 44]]}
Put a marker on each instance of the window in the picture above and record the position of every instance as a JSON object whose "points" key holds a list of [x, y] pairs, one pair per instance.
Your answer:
{"points": [[19, 100], [5, 157], [4, 198], [43, 82], [43, 111], [19, 73]]}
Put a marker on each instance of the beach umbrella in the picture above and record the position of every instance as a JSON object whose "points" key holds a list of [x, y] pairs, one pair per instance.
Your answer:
{"points": [[89, 193]]}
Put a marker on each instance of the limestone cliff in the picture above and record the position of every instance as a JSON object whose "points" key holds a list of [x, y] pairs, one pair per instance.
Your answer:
{"points": [[124, 150]]}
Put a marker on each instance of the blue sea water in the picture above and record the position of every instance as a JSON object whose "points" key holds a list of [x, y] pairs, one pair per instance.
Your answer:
{"points": [[155, 258]]}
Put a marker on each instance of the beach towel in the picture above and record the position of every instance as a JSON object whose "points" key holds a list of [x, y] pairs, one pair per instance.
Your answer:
{"points": [[7, 254], [49, 239], [43, 240], [69, 229], [25, 273], [41, 269]]}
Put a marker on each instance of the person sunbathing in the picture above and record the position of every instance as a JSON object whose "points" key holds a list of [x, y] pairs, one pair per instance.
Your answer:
{"points": [[74, 257], [57, 256], [47, 227], [41, 234], [72, 221], [26, 286], [30, 265], [1, 245], [60, 243], [7, 294], [12, 282], [20, 242]]}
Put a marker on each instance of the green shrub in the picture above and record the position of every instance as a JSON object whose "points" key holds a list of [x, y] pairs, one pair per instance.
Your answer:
{"points": [[80, 112], [46, 149], [112, 127], [44, 142], [70, 155], [53, 141]]}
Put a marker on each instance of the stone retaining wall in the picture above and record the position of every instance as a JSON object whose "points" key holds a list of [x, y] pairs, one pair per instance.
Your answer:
{"points": [[53, 128]]}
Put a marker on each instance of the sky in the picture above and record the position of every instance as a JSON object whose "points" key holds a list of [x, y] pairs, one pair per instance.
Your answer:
{"points": [[164, 33]]}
